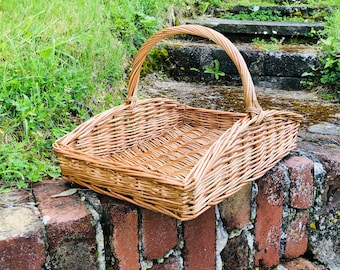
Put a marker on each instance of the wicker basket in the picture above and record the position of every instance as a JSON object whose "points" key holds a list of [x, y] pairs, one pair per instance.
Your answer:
{"points": [[173, 158]]}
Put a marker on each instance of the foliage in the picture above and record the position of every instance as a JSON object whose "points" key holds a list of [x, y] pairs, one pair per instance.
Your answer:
{"points": [[330, 59], [328, 73], [214, 70], [264, 15], [155, 60], [60, 64], [198, 8], [272, 44]]}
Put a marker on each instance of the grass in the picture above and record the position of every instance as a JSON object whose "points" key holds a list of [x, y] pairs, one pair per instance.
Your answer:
{"points": [[61, 63]]}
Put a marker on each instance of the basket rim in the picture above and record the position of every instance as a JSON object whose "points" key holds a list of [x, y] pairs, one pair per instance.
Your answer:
{"points": [[62, 145]]}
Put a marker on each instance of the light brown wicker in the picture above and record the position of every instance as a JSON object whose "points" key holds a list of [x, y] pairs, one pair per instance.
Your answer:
{"points": [[173, 158]]}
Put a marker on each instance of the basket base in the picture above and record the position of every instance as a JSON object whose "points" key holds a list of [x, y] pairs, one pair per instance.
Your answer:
{"points": [[174, 153]]}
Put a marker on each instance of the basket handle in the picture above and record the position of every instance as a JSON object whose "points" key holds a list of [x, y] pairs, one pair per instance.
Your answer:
{"points": [[251, 103]]}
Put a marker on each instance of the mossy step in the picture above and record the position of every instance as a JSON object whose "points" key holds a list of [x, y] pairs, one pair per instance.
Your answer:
{"points": [[245, 29], [281, 68], [297, 11]]}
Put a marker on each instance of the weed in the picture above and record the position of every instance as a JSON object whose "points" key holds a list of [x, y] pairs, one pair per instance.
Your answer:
{"points": [[328, 73], [214, 70], [261, 15], [273, 44]]}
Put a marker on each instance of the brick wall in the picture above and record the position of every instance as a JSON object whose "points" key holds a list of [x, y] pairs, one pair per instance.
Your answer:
{"points": [[280, 217]]}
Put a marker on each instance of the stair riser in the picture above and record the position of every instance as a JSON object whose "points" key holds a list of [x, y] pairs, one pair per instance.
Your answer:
{"points": [[243, 30], [268, 69]]}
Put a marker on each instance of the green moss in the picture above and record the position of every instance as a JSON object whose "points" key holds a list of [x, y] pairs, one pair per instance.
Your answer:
{"points": [[155, 61]]}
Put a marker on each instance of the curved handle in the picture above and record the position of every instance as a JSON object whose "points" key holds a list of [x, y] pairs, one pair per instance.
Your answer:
{"points": [[251, 103]]}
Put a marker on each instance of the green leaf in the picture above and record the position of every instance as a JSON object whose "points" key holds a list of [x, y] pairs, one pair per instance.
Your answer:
{"points": [[46, 53], [305, 74], [22, 184], [5, 190]]}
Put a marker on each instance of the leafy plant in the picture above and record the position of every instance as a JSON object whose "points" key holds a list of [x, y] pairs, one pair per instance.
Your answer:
{"points": [[214, 70], [327, 74]]}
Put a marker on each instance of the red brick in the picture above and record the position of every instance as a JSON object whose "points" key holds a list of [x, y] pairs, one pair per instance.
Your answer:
{"points": [[332, 165], [331, 187], [297, 238], [68, 223], [300, 263], [21, 239], [235, 210], [14, 197], [125, 236], [171, 263], [159, 234], [235, 254], [302, 182], [200, 241], [269, 218]]}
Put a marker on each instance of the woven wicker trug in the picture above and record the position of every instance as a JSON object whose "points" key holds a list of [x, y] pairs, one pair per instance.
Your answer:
{"points": [[172, 158]]}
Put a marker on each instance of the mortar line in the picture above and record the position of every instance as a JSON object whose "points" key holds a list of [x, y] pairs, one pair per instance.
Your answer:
{"points": [[47, 264], [96, 218]]}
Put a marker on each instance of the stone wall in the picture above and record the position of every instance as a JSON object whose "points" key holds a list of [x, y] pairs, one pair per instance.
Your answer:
{"points": [[292, 211]]}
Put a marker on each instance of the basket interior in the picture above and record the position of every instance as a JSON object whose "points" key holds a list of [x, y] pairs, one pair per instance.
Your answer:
{"points": [[170, 140], [174, 153]]}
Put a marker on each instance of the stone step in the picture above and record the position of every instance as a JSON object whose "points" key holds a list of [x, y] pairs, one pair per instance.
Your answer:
{"points": [[281, 68], [288, 11], [301, 11], [245, 30]]}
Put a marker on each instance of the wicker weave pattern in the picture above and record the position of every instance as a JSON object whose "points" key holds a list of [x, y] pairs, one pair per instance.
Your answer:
{"points": [[172, 158]]}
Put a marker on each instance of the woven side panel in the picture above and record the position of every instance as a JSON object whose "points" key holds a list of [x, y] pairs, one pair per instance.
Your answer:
{"points": [[243, 154], [170, 199], [211, 118]]}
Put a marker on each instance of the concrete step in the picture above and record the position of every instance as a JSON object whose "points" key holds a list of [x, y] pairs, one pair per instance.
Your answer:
{"points": [[288, 52], [281, 68], [244, 30], [298, 11]]}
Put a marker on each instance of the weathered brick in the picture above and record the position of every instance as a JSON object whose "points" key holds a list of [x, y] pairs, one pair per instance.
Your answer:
{"points": [[171, 263], [159, 234], [71, 236], [297, 238], [235, 255], [235, 210], [125, 237], [269, 217], [200, 241], [301, 176], [21, 239], [123, 221], [300, 263], [332, 164], [14, 197], [331, 187]]}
